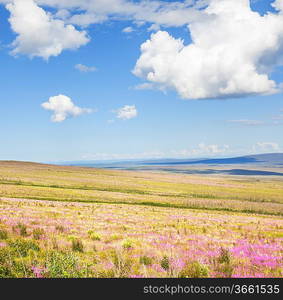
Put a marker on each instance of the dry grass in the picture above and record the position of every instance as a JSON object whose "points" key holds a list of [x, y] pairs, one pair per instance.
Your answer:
{"points": [[48, 182], [153, 225]]}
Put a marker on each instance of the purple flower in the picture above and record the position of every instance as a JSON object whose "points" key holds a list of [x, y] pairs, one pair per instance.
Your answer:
{"points": [[38, 272]]}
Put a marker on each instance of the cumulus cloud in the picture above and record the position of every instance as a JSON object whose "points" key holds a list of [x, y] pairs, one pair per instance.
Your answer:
{"points": [[63, 107], [84, 68], [47, 33], [127, 112], [39, 34], [232, 53]]}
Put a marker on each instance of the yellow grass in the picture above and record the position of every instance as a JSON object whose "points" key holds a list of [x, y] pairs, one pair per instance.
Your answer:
{"points": [[48, 182]]}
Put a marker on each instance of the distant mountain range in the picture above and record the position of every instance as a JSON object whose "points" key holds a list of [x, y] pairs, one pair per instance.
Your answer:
{"points": [[268, 159]]}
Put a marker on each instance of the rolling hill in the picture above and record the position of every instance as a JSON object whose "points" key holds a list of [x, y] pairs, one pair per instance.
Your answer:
{"points": [[268, 159]]}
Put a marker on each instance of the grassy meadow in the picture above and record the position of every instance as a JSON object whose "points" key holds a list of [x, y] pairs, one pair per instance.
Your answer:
{"points": [[82, 222]]}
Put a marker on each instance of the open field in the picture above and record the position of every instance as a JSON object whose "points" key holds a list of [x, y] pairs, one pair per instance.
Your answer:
{"points": [[46, 182], [101, 223]]}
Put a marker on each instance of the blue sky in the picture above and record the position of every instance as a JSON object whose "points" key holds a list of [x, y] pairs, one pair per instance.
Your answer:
{"points": [[166, 120]]}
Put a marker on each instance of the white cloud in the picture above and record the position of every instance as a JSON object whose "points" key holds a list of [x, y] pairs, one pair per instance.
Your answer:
{"points": [[128, 29], [144, 86], [165, 13], [266, 147], [63, 107], [45, 34], [63, 14], [210, 149], [139, 23], [202, 149], [84, 68], [39, 34], [127, 112], [154, 27], [233, 50], [123, 156], [85, 19], [278, 4]]}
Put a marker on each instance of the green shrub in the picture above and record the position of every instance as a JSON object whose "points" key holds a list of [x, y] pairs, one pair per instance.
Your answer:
{"points": [[224, 263], [5, 272], [21, 269], [3, 234], [128, 244], [62, 265], [6, 262], [146, 260], [106, 274], [122, 265], [165, 264], [5, 255], [225, 256], [94, 236], [21, 247], [37, 233], [226, 270], [21, 228], [60, 228], [11, 266], [194, 270], [77, 245], [113, 237]]}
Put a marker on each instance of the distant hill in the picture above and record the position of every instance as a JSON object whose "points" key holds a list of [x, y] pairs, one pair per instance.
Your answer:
{"points": [[268, 159], [263, 159]]}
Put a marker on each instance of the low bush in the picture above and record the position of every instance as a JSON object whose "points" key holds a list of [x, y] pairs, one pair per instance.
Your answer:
{"points": [[21, 229], [62, 265], [194, 270], [77, 245], [165, 263], [3, 234], [37, 233], [122, 265], [128, 244], [21, 247], [146, 260], [94, 236]]}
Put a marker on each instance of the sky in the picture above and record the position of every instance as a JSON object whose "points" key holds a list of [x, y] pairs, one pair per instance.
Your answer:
{"points": [[121, 79]]}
